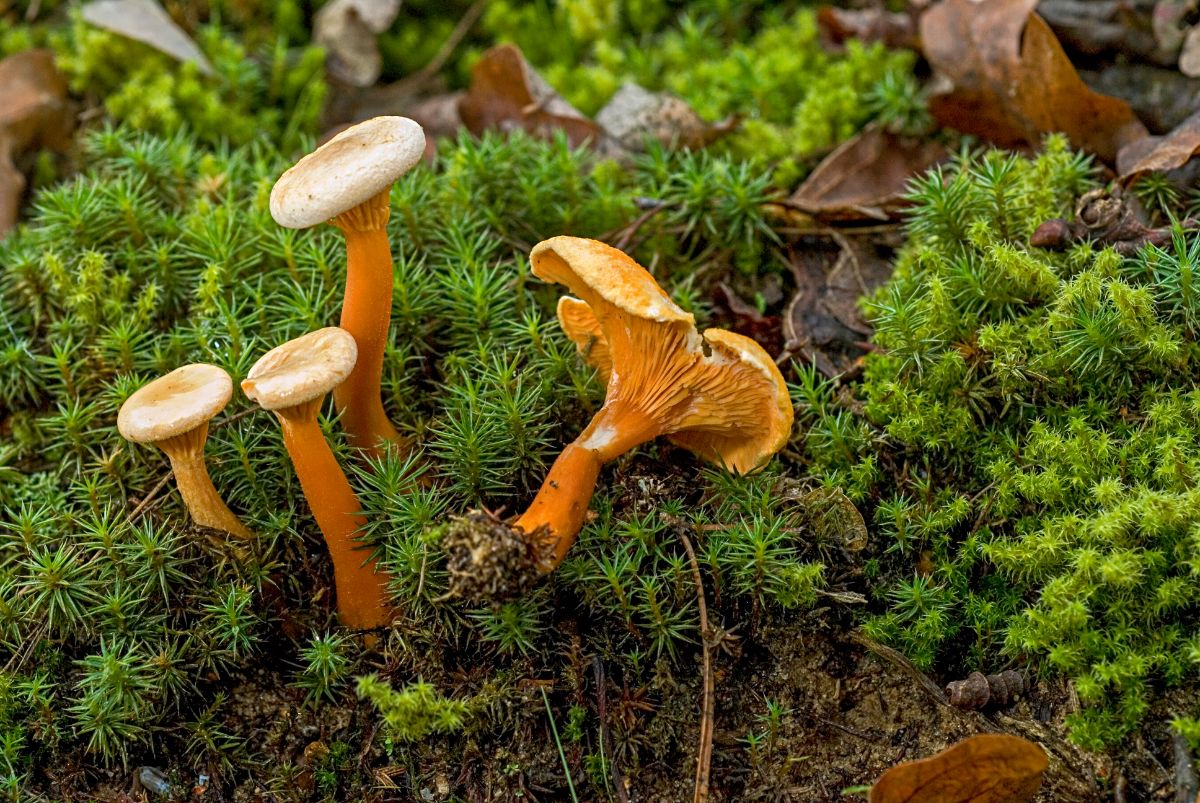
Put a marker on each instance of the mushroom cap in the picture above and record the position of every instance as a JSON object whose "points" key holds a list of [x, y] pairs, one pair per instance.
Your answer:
{"points": [[302, 369], [351, 168], [720, 396], [175, 403]]}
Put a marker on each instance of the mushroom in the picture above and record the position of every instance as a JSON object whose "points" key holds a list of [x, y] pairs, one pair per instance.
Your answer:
{"points": [[347, 181], [291, 381], [173, 412], [719, 395]]}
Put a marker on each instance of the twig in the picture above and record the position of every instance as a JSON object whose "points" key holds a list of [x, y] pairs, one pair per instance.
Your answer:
{"points": [[899, 660], [148, 498], [704, 756], [1187, 785], [235, 417], [633, 226], [435, 64], [605, 737]]}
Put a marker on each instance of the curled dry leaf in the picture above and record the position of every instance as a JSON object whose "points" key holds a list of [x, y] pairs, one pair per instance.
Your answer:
{"points": [[865, 177], [1160, 154], [988, 768], [507, 94], [347, 30], [146, 22], [1001, 74], [34, 113], [635, 113]]}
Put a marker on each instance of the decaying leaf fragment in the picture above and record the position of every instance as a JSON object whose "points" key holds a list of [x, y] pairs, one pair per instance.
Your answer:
{"points": [[507, 94], [34, 113], [1160, 154], [347, 30], [146, 22], [987, 768], [896, 29], [865, 176], [1001, 74]]}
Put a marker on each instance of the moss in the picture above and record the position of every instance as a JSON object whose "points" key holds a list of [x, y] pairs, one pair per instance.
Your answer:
{"points": [[1041, 429], [137, 630]]}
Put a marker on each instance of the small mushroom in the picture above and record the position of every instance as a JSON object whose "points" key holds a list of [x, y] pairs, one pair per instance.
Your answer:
{"points": [[718, 395], [291, 381], [173, 412], [347, 182]]}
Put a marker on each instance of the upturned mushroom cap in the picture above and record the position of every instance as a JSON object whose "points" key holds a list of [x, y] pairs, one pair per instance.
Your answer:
{"points": [[302, 369], [175, 403], [351, 168], [720, 396]]}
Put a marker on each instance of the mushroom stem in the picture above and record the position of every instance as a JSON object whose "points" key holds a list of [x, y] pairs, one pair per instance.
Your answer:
{"points": [[207, 508], [366, 315], [562, 501], [363, 601]]}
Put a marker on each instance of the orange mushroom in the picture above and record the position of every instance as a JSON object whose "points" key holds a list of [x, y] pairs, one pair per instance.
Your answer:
{"points": [[291, 380], [347, 181], [718, 395], [173, 412]]}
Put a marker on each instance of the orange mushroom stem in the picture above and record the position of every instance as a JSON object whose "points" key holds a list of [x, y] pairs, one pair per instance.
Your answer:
{"points": [[291, 381], [347, 181], [719, 394]]}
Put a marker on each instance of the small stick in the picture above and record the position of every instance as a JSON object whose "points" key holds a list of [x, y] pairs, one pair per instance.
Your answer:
{"points": [[414, 81], [632, 228], [605, 737], [1187, 785], [162, 483], [704, 756], [899, 660]]}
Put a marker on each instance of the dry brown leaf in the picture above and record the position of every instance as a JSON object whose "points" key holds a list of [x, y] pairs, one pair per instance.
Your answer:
{"points": [[988, 768], [1160, 154], [146, 22], [865, 176], [895, 29], [507, 94], [1001, 74], [34, 113], [635, 113], [347, 30]]}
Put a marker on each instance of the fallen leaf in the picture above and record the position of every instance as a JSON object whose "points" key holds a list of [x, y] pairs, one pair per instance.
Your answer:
{"points": [[507, 94], [823, 323], [34, 113], [1001, 74], [832, 517], [145, 21], [895, 29], [633, 113], [987, 768], [347, 29], [1160, 154], [746, 320], [865, 177]]}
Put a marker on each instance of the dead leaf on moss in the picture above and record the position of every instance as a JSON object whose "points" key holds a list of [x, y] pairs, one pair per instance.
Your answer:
{"points": [[34, 113], [865, 176], [894, 28], [988, 768], [145, 21], [347, 29], [1160, 154], [635, 113], [506, 94], [1001, 74]]}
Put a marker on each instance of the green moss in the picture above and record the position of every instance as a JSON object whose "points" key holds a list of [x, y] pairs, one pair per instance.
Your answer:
{"points": [[164, 253], [1042, 427]]}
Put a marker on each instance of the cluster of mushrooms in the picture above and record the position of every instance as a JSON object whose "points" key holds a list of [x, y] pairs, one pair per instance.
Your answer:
{"points": [[717, 394]]}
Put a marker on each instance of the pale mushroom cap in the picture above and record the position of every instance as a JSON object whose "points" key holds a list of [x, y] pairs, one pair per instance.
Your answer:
{"points": [[590, 267], [351, 168], [302, 369], [175, 403]]}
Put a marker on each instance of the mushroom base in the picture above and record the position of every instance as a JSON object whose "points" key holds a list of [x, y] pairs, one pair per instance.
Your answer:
{"points": [[491, 560]]}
